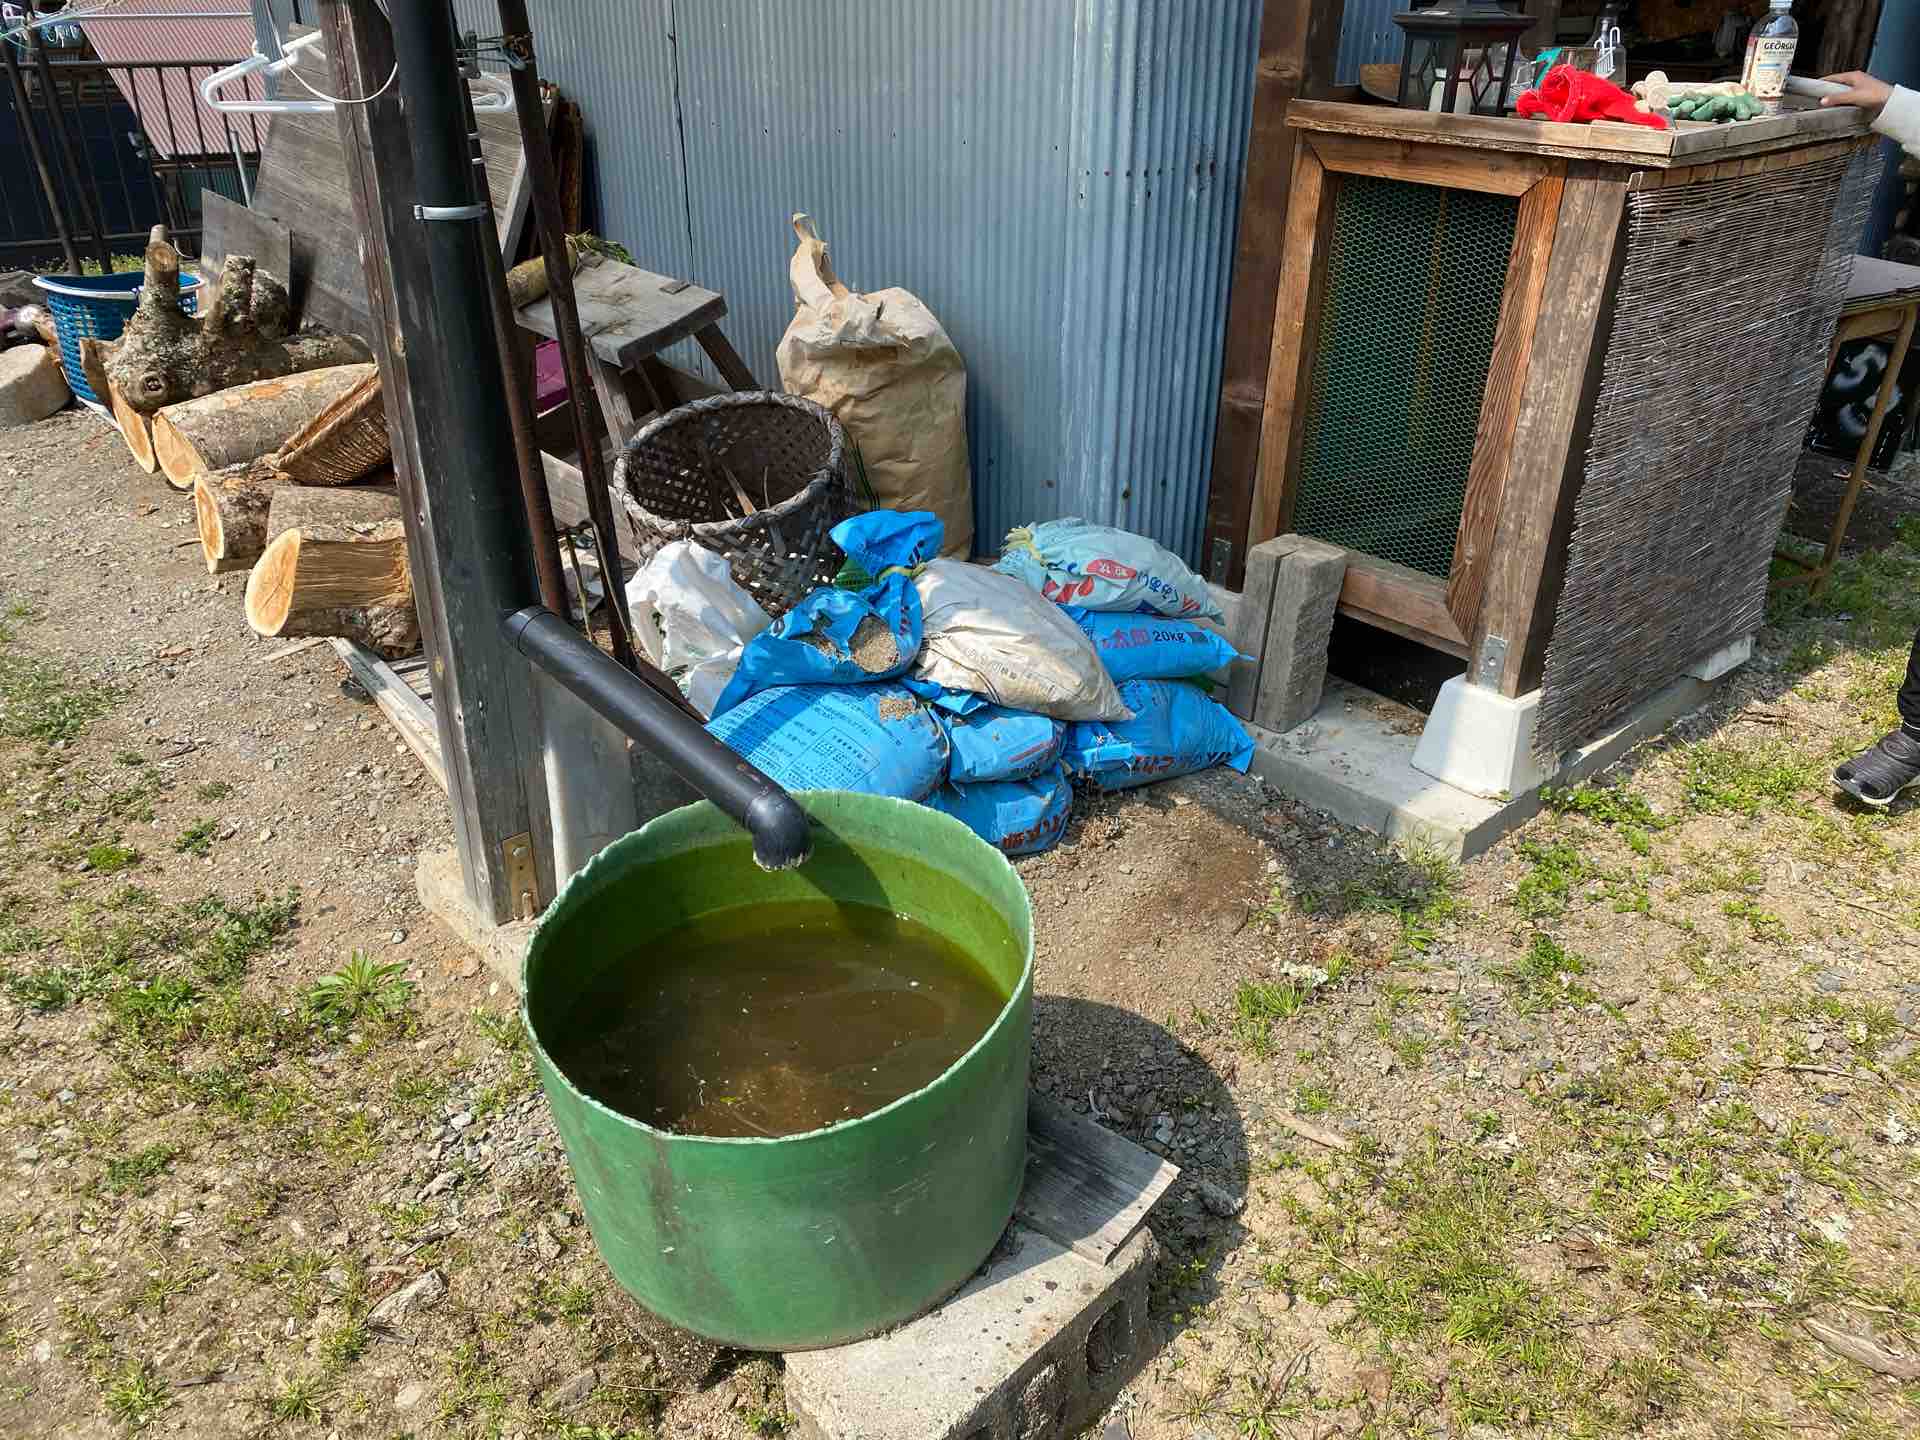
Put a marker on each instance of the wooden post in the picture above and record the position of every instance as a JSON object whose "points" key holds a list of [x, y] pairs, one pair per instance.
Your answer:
{"points": [[1298, 39], [466, 534], [56, 207], [57, 118]]}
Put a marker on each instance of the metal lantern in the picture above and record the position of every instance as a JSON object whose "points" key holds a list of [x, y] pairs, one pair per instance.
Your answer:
{"points": [[1459, 42]]}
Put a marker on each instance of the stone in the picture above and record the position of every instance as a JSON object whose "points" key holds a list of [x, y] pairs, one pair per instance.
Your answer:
{"points": [[572, 1390], [430, 1289], [32, 386], [545, 1243], [410, 1395], [1219, 1200], [1284, 621], [440, 1184], [1034, 1347]]}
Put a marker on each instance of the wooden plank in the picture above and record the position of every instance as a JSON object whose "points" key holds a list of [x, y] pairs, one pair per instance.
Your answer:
{"points": [[1086, 1187], [465, 544], [1500, 406], [1873, 280], [1625, 144], [411, 715], [304, 184], [1298, 39], [1377, 589], [229, 228], [1296, 320], [1761, 163], [1549, 439], [1496, 172], [627, 312], [568, 487]]}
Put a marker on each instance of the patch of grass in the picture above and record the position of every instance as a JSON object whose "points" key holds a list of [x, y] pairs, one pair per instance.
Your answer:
{"points": [[475, 1388], [1546, 975], [1553, 869], [197, 838], [132, 758], [1761, 924], [342, 1344], [134, 1395], [1725, 778], [46, 990], [1312, 1099], [1610, 805], [1641, 1205], [134, 1174], [38, 703], [213, 792], [297, 1398], [1257, 1004], [109, 858], [1685, 1045], [361, 988]]}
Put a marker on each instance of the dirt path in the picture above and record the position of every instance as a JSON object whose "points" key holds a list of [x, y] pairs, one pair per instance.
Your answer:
{"points": [[1623, 1114]]}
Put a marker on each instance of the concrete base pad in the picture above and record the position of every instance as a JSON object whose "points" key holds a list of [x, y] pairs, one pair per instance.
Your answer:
{"points": [[1032, 1348], [1354, 760], [1481, 741], [436, 877]]}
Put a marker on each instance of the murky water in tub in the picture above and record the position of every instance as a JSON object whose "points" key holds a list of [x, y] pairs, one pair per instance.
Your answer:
{"points": [[776, 1019]]}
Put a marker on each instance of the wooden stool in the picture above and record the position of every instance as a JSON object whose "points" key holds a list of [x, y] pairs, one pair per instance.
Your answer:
{"points": [[1882, 299], [628, 316]]}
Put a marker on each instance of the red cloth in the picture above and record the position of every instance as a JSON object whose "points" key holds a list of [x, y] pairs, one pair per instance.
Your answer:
{"points": [[1580, 95]]}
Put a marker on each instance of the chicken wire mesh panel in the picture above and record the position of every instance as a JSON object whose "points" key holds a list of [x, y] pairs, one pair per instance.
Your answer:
{"points": [[1409, 303], [1715, 357]]}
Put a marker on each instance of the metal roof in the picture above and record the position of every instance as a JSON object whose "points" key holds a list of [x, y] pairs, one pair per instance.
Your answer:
{"points": [[176, 120]]}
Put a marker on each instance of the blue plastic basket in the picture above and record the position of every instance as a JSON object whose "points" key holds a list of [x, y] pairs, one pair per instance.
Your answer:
{"points": [[97, 307]]}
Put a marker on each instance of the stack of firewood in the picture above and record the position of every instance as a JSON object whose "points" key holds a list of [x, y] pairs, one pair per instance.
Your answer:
{"points": [[282, 439]]}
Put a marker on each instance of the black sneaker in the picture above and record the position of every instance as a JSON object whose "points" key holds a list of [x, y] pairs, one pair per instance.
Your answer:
{"points": [[1876, 777]]}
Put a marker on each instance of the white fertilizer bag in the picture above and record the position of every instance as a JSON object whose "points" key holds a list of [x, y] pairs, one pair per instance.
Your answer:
{"points": [[1097, 567], [691, 618], [887, 371], [999, 637]]}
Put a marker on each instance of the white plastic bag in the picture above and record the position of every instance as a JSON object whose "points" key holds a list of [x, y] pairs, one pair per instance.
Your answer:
{"points": [[999, 637], [691, 618], [887, 371]]}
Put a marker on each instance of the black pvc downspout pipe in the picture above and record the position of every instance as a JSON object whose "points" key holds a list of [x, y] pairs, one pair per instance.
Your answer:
{"points": [[781, 832]]}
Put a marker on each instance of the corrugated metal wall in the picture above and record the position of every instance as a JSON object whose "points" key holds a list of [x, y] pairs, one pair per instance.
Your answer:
{"points": [[1059, 182], [1368, 36]]}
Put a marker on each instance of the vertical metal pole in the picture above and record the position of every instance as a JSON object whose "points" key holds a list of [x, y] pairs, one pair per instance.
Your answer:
{"points": [[543, 183], [57, 117], [56, 208]]}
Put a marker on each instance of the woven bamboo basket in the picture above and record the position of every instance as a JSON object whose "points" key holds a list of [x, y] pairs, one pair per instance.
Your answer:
{"points": [[344, 442], [677, 478]]}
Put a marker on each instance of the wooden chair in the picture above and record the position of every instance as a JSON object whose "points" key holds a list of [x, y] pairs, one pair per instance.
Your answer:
{"points": [[629, 316], [1882, 299]]}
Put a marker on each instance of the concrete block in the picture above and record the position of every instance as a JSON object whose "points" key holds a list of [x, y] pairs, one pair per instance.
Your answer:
{"points": [[1032, 1348], [1481, 741], [436, 876], [1284, 621], [32, 386], [1730, 656]]}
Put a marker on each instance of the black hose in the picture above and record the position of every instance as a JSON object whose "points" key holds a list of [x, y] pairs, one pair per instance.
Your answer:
{"points": [[782, 836]]}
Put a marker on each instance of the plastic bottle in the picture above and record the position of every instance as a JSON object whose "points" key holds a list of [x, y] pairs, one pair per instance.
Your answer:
{"points": [[1770, 56]]}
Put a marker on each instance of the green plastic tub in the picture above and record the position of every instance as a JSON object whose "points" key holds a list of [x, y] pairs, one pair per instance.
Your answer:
{"points": [[828, 1236]]}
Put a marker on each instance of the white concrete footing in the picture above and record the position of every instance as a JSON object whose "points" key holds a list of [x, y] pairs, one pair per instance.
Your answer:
{"points": [[1481, 741], [1728, 657]]}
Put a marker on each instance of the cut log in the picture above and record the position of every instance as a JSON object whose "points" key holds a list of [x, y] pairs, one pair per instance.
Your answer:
{"points": [[166, 356], [335, 564], [344, 442], [230, 507], [245, 422], [136, 429]]}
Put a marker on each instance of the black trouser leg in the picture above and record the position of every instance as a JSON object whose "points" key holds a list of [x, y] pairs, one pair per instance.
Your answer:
{"points": [[1910, 693]]}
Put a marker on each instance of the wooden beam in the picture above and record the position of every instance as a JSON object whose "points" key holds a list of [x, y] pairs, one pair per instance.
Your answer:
{"points": [[1500, 404], [1296, 321], [1402, 600], [1497, 172], [466, 544], [1550, 433], [412, 716], [1298, 39]]}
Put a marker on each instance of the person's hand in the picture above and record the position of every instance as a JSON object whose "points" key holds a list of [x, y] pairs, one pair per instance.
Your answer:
{"points": [[1862, 90]]}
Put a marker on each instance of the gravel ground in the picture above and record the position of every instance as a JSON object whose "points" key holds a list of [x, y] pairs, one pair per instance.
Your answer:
{"points": [[1611, 1132]]}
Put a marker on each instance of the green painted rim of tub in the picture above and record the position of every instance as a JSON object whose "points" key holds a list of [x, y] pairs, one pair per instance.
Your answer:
{"points": [[835, 1234]]}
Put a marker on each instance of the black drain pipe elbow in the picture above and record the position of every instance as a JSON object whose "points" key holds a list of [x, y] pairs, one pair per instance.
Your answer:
{"points": [[782, 834]]}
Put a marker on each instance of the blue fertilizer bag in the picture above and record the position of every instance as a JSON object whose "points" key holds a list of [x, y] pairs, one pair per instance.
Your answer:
{"points": [[1152, 647], [876, 739], [1176, 729], [1019, 816], [994, 743], [848, 637]]}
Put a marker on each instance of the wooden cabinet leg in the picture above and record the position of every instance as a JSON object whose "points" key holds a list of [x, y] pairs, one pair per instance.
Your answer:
{"points": [[725, 358]]}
